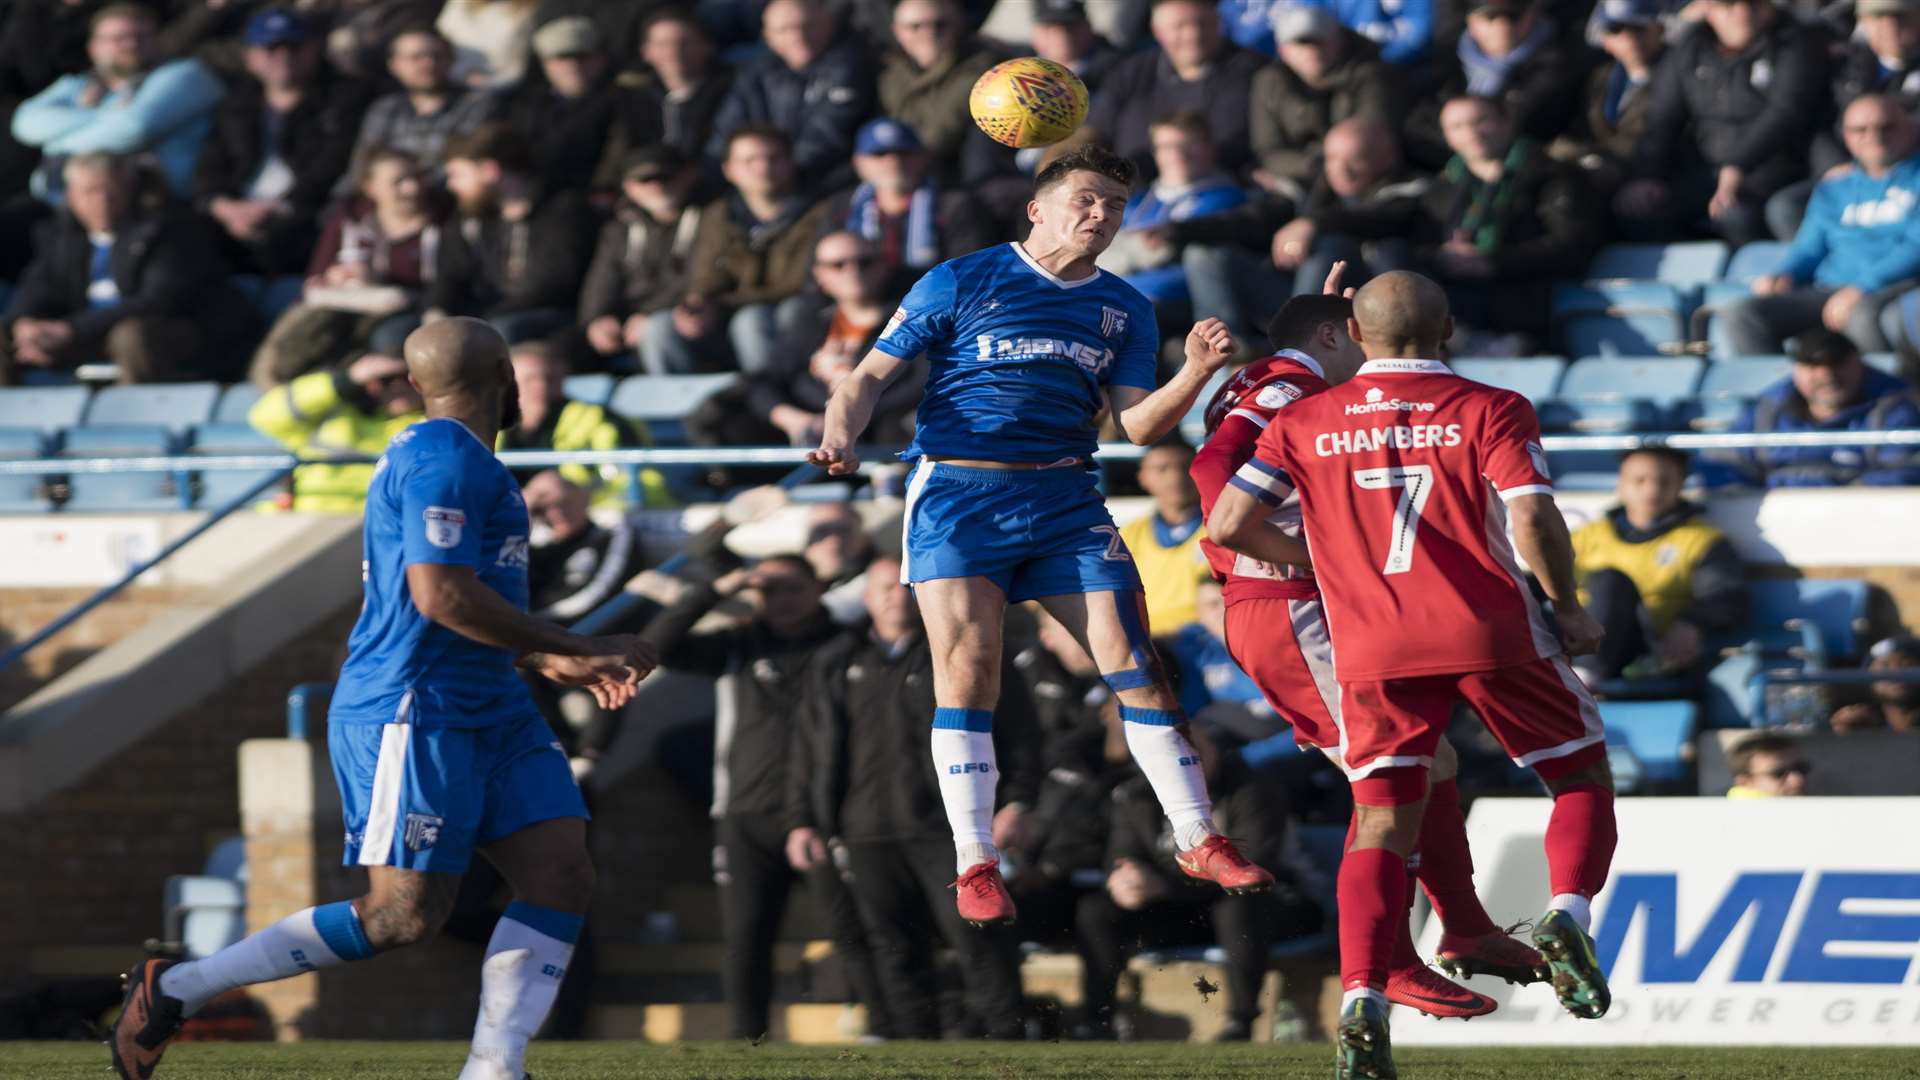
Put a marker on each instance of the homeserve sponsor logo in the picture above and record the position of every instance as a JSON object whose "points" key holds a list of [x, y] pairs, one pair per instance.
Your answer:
{"points": [[1377, 401]]}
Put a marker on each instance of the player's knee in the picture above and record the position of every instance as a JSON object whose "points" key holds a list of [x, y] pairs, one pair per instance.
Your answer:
{"points": [[1446, 764], [1587, 768], [394, 922]]}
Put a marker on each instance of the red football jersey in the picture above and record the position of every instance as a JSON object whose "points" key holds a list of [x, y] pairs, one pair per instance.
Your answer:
{"points": [[1240, 410], [1402, 475]]}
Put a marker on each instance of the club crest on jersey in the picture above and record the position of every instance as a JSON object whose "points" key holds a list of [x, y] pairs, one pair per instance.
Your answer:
{"points": [[1113, 323], [423, 831], [444, 525]]}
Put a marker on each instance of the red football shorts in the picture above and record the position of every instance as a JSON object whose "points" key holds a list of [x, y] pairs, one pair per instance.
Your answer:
{"points": [[1283, 647], [1539, 711]]}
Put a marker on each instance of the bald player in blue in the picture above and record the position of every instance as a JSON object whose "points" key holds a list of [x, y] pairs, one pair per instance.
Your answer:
{"points": [[1027, 345]]}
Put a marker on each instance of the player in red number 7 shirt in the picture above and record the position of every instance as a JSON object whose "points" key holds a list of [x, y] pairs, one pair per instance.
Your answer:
{"points": [[1407, 475], [1277, 633]]}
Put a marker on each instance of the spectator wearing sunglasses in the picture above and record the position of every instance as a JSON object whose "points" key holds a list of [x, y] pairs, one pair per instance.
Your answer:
{"points": [[1767, 766]]}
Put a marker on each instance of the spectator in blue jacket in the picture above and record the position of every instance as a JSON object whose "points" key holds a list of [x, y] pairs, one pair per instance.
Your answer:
{"points": [[1207, 671], [1189, 186], [129, 103], [1402, 28], [1858, 248], [1830, 389], [815, 89]]}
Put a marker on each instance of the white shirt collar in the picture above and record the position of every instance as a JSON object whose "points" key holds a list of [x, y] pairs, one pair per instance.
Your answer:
{"points": [[1050, 275], [1304, 361], [1404, 367]]}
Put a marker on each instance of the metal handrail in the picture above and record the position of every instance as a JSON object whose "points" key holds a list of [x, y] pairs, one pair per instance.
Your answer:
{"points": [[794, 455]]}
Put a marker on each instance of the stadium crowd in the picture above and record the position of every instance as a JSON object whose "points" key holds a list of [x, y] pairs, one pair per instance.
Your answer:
{"points": [[749, 188]]}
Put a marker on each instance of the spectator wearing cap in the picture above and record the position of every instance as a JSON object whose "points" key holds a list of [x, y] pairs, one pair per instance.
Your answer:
{"points": [[1895, 705], [1768, 766], [369, 271], [911, 219], [1359, 210], [1510, 51], [1662, 581], [749, 264], [1195, 69], [1501, 222], [1828, 389], [1858, 248], [1188, 185], [429, 108], [644, 257], [518, 249], [489, 39], [1404, 29], [677, 97], [927, 77], [282, 137], [568, 116], [1062, 34], [1735, 104], [825, 340], [815, 89], [1326, 74], [1613, 117], [128, 102]]}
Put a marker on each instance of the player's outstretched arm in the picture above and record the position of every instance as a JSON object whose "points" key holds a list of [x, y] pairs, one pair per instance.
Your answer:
{"points": [[850, 410], [1540, 537], [1239, 522], [1146, 417], [454, 597]]}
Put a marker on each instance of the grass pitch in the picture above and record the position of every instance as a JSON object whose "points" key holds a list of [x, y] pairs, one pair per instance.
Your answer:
{"points": [[957, 1061]]}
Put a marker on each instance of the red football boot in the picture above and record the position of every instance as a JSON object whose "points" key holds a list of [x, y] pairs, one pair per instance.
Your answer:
{"points": [[148, 1021], [983, 899], [1420, 987], [1493, 954], [1218, 861]]}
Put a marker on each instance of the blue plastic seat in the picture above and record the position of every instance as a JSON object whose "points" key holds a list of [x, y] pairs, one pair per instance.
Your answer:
{"points": [[122, 491], [1729, 386], [1658, 732], [217, 487], [1762, 258], [663, 402], [1835, 609], [1532, 377], [21, 493], [236, 402], [1621, 318], [1681, 265], [1622, 393], [594, 389], [1709, 326], [1584, 470], [45, 409], [1884, 361], [174, 406]]}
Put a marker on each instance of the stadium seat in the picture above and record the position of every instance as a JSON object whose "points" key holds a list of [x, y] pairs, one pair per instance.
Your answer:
{"points": [[1760, 258], [1584, 470], [46, 409], [1681, 265], [22, 494], [236, 402], [1884, 361], [663, 401], [206, 912], [1533, 377], [1729, 387], [218, 487], [1659, 733], [1620, 318], [1621, 393], [123, 491], [1706, 325], [594, 389], [174, 406], [1834, 609]]}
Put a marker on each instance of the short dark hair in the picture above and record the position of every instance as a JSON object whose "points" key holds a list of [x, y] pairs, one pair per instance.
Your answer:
{"points": [[497, 143], [1498, 105], [123, 11], [797, 562], [1092, 158], [1293, 325], [1172, 440], [763, 132], [667, 15], [428, 29], [1740, 758], [1187, 120], [1822, 347], [1679, 459], [363, 168]]}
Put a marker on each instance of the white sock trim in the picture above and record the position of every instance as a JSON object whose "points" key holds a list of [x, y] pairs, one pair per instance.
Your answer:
{"points": [[1577, 907]]}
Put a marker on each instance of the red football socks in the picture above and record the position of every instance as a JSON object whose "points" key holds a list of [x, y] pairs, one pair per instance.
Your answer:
{"points": [[1446, 866], [1373, 914], [1580, 840]]}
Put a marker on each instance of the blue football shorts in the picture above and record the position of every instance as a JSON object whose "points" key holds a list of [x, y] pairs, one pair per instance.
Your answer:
{"points": [[1033, 532], [423, 798]]}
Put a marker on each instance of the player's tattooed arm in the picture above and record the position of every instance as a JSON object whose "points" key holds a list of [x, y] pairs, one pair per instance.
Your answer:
{"points": [[1239, 522], [850, 410], [1147, 416]]}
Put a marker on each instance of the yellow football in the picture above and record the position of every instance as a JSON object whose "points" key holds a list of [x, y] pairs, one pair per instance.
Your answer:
{"points": [[1028, 102]]}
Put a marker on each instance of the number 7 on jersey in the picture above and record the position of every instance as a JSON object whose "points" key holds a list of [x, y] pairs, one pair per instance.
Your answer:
{"points": [[1415, 483]]}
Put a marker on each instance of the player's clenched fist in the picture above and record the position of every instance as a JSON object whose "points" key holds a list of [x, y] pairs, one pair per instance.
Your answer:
{"points": [[1579, 631], [1209, 345], [837, 460]]}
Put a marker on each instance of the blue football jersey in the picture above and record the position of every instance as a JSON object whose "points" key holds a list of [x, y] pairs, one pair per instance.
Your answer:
{"points": [[438, 496], [1017, 358]]}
